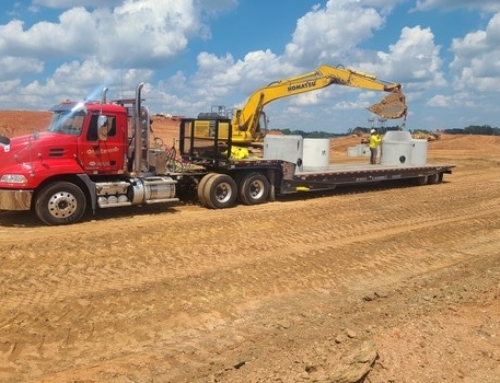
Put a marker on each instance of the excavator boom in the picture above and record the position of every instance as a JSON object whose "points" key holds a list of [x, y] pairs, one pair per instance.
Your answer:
{"points": [[245, 121]]}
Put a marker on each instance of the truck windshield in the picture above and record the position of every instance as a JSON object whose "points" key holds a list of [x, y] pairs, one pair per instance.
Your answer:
{"points": [[67, 122]]}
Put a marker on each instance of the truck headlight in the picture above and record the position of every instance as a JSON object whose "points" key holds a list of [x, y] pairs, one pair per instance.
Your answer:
{"points": [[13, 179]]}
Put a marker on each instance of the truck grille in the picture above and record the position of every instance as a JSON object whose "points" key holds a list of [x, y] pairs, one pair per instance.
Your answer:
{"points": [[56, 152]]}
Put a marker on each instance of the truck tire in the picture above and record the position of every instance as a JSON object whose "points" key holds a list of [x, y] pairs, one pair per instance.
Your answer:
{"points": [[60, 203], [220, 192], [254, 189], [201, 188]]}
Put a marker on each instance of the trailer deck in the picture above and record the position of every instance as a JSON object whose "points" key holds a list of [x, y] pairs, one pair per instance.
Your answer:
{"points": [[351, 174], [364, 168]]}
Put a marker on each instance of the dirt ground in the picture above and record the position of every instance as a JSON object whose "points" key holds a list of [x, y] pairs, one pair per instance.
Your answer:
{"points": [[372, 285]]}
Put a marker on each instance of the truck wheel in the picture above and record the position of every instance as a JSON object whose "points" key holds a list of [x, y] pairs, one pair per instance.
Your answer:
{"points": [[220, 192], [201, 188], [60, 203], [254, 189]]}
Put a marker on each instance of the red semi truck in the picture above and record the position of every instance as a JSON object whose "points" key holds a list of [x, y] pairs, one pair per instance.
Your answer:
{"points": [[97, 155]]}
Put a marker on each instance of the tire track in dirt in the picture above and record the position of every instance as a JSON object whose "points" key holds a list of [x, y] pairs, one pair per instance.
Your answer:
{"points": [[109, 271], [184, 294], [137, 271], [361, 227], [173, 283]]}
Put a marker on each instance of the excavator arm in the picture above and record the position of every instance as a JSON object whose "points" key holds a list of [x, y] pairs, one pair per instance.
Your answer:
{"points": [[245, 121]]}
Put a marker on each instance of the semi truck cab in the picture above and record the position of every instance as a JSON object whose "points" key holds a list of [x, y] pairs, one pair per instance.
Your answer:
{"points": [[92, 154]]}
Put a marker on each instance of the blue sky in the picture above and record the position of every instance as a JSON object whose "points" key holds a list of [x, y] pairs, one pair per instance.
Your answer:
{"points": [[193, 54]]}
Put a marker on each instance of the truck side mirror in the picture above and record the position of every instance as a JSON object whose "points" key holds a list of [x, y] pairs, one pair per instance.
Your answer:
{"points": [[102, 127]]}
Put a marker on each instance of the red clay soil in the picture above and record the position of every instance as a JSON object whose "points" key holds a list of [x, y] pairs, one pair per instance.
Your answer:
{"points": [[375, 285]]}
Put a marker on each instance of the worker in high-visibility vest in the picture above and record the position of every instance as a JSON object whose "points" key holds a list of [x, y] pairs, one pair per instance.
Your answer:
{"points": [[375, 141]]}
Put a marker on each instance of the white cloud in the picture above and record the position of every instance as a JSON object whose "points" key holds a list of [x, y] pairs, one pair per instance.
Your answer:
{"points": [[73, 36], [107, 43], [9, 86], [477, 59], [118, 36], [328, 34], [64, 4], [220, 76], [488, 5], [15, 66], [417, 55], [304, 99], [323, 35], [440, 101], [77, 81]]}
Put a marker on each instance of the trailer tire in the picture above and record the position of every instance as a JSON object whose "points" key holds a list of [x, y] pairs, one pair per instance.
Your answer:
{"points": [[220, 192], [60, 203], [272, 193], [201, 188], [422, 180], [254, 189], [433, 179]]}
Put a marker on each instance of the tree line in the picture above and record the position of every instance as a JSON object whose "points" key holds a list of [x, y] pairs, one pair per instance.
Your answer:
{"points": [[483, 130]]}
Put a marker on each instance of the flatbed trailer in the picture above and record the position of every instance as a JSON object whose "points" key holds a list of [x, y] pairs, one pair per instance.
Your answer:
{"points": [[224, 181]]}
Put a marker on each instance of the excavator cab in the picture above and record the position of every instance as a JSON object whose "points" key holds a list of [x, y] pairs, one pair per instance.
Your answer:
{"points": [[216, 112], [262, 124]]}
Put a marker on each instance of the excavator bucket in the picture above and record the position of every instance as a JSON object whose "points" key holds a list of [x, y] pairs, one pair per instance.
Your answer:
{"points": [[392, 106]]}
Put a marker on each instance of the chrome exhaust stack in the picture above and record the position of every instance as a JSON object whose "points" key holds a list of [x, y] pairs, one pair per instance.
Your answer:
{"points": [[138, 130], [103, 95]]}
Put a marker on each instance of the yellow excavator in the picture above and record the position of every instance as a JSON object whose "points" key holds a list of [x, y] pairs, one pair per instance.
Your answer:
{"points": [[248, 123]]}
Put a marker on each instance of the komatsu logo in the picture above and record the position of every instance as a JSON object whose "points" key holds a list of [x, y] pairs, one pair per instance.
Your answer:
{"points": [[307, 84]]}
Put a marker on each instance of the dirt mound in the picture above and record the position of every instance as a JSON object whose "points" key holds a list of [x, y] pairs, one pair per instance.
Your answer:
{"points": [[466, 142], [19, 122], [166, 129]]}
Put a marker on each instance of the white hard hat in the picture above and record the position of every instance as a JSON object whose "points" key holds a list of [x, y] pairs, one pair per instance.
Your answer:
{"points": [[372, 131]]}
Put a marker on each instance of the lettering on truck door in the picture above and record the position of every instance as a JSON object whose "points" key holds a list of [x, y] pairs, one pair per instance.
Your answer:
{"points": [[102, 148]]}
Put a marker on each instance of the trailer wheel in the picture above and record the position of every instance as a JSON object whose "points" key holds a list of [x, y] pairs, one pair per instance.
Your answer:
{"points": [[419, 181], [60, 203], [254, 189], [201, 188], [433, 179], [220, 192]]}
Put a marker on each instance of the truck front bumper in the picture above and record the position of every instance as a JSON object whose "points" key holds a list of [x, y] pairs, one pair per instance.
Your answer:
{"points": [[15, 199]]}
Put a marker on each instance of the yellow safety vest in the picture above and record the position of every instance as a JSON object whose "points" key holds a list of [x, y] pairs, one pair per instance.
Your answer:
{"points": [[375, 141]]}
